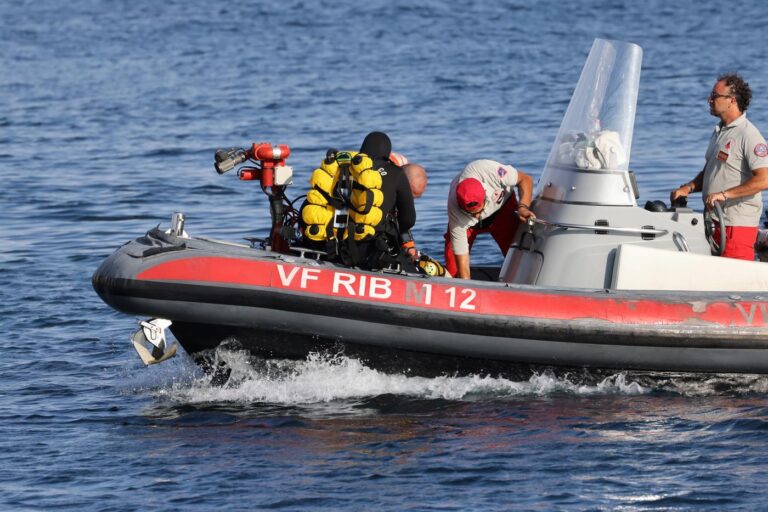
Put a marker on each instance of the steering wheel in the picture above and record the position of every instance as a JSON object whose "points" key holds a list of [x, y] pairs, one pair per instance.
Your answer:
{"points": [[717, 247]]}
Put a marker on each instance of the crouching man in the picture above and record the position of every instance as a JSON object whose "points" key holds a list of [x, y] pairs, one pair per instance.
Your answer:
{"points": [[482, 200]]}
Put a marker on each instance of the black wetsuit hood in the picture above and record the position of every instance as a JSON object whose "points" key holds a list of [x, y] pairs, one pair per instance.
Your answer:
{"points": [[377, 145]]}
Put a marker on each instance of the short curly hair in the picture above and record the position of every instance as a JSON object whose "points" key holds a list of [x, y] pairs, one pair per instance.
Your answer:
{"points": [[739, 88]]}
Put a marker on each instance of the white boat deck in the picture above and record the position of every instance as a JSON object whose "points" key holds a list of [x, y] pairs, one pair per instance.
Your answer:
{"points": [[644, 268]]}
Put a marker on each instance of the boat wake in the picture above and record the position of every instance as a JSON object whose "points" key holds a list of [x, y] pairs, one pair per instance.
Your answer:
{"points": [[323, 378]]}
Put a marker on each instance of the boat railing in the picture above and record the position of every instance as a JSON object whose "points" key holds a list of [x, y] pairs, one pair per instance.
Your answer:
{"points": [[648, 231]]}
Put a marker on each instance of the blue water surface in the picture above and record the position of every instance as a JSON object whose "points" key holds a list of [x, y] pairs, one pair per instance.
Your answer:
{"points": [[110, 115]]}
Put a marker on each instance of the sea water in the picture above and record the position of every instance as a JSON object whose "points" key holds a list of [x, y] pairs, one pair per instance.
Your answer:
{"points": [[111, 112]]}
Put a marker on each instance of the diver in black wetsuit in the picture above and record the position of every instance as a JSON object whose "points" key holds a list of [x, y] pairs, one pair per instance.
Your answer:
{"points": [[398, 208]]}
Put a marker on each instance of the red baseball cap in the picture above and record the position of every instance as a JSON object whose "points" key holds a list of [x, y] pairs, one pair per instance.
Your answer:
{"points": [[470, 195]]}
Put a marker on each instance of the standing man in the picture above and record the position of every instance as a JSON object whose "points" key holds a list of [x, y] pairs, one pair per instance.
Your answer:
{"points": [[482, 199], [736, 168]]}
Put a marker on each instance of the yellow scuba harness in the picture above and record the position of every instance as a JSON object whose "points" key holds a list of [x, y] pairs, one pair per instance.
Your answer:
{"points": [[322, 206], [344, 205], [345, 199]]}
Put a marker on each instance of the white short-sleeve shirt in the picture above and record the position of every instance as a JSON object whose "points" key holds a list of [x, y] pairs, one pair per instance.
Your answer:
{"points": [[498, 181], [734, 151]]}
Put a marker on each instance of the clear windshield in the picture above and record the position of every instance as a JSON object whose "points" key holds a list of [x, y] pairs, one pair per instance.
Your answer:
{"points": [[596, 132]]}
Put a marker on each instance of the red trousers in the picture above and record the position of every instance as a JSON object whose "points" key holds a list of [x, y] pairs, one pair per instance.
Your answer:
{"points": [[739, 241], [502, 227]]}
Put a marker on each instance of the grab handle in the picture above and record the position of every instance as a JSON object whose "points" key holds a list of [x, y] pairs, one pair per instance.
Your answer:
{"points": [[628, 231]]}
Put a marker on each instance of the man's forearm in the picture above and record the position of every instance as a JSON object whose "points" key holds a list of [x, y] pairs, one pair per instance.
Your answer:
{"points": [[697, 184], [525, 189], [462, 266], [757, 183]]}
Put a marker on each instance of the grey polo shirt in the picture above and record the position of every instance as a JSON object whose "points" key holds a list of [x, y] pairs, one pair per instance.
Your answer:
{"points": [[734, 152], [498, 181]]}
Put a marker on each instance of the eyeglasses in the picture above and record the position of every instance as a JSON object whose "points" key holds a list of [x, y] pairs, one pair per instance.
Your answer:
{"points": [[713, 96]]}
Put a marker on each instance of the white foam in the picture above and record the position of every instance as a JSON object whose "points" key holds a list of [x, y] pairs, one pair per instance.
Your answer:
{"points": [[712, 384], [322, 379]]}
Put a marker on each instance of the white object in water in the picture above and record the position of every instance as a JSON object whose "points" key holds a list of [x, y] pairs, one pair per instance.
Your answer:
{"points": [[151, 334]]}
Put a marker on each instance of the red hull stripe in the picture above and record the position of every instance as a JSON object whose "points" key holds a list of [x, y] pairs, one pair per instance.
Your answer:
{"points": [[458, 297]]}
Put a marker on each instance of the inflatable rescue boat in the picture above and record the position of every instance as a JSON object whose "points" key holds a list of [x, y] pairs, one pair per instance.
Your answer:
{"points": [[595, 281]]}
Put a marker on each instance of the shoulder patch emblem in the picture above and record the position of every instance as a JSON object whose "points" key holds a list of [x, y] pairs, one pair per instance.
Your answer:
{"points": [[761, 150], [501, 172]]}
